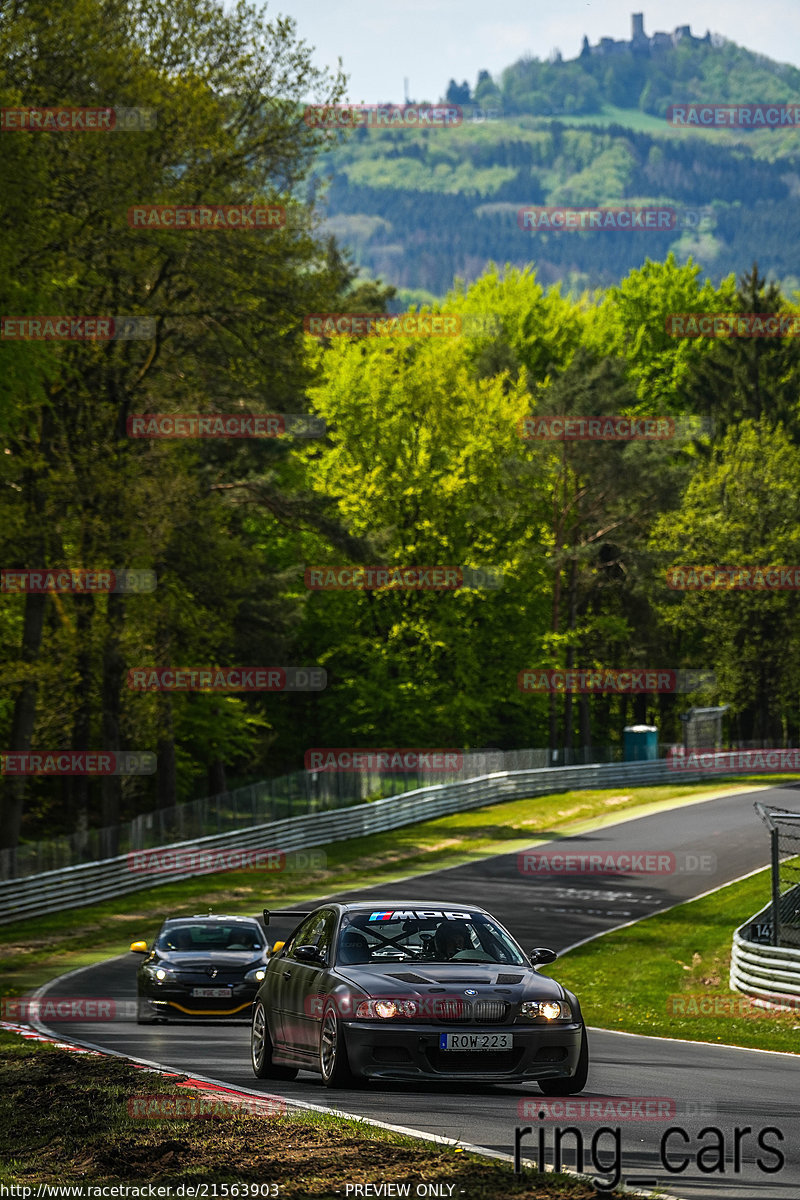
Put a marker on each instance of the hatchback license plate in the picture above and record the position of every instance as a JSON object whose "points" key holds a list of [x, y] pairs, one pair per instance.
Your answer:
{"points": [[476, 1041], [217, 992]]}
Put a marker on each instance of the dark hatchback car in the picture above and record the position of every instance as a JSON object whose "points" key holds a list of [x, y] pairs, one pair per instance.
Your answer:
{"points": [[417, 989], [200, 967]]}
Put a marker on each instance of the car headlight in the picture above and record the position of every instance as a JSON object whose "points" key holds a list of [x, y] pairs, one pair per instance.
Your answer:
{"points": [[551, 1010], [386, 1009], [161, 974], [256, 975]]}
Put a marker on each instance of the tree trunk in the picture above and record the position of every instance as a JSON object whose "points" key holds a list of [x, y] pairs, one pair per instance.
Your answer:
{"points": [[167, 776], [113, 673], [13, 790], [216, 777], [78, 785], [585, 718], [568, 700]]}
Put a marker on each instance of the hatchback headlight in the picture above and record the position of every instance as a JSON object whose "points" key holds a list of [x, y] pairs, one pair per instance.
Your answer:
{"points": [[551, 1010], [256, 975], [161, 974], [386, 1009]]}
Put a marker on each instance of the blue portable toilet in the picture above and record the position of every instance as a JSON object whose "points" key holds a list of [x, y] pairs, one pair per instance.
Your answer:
{"points": [[640, 743]]}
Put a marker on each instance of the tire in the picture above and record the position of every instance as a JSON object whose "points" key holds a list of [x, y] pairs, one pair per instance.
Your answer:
{"points": [[261, 1049], [334, 1066], [575, 1083]]}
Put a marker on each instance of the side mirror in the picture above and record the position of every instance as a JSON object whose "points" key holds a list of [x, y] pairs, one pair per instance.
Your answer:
{"points": [[542, 955], [139, 947], [309, 954], [278, 946]]}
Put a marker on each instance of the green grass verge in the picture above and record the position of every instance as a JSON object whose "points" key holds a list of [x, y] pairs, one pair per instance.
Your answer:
{"points": [[37, 949], [66, 1119], [629, 118], [647, 977]]}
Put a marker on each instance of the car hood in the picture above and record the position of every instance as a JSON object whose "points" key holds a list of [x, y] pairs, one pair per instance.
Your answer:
{"points": [[415, 979], [223, 959]]}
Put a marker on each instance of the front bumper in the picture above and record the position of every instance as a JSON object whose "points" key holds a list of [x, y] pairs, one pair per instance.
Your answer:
{"points": [[177, 1003], [410, 1051]]}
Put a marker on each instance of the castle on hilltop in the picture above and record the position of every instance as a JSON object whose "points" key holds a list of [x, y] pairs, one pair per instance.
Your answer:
{"points": [[640, 43]]}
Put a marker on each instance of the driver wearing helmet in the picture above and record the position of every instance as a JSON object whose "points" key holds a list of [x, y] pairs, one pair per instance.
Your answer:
{"points": [[451, 938]]}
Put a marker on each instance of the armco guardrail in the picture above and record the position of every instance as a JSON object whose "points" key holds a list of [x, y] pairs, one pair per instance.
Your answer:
{"points": [[89, 882], [267, 801], [767, 972]]}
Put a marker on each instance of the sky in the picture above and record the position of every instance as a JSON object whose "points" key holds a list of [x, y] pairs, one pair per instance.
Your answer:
{"points": [[432, 41]]}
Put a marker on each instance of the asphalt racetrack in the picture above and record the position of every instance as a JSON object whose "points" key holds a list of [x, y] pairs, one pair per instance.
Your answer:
{"points": [[710, 1086]]}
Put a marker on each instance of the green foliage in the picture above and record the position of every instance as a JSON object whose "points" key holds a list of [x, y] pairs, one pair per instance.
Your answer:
{"points": [[740, 509], [688, 72]]}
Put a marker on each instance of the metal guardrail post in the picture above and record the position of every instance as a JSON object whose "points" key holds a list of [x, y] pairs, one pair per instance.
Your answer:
{"points": [[776, 887]]}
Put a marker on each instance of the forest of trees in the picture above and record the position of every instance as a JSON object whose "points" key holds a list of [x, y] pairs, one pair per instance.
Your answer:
{"points": [[422, 462], [448, 203]]}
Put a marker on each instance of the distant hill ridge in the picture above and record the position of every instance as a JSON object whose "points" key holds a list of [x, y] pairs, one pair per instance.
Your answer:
{"points": [[419, 208], [648, 73]]}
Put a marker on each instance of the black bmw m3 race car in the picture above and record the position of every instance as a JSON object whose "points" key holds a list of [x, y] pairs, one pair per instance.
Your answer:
{"points": [[415, 990], [200, 968]]}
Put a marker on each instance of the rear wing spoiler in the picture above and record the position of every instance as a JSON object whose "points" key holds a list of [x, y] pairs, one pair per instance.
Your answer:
{"points": [[288, 912]]}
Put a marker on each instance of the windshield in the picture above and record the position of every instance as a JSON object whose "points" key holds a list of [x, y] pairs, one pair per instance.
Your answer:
{"points": [[205, 935], [380, 937]]}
